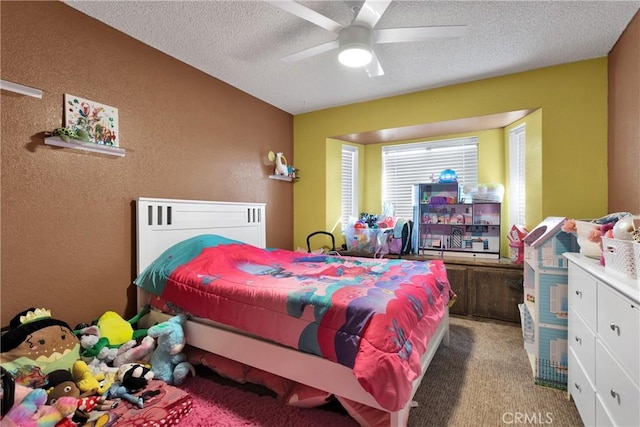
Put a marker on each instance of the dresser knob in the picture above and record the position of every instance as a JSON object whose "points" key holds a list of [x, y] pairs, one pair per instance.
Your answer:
{"points": [[578, 387], [615, 327], [615, 395], [578, 340], [579, 293]]}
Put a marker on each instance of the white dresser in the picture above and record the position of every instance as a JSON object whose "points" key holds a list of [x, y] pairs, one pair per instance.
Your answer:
{"points": [[604, 344]]}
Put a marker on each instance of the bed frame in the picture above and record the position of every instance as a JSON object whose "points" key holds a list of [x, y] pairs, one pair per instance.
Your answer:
{"points": [[162, 223]]}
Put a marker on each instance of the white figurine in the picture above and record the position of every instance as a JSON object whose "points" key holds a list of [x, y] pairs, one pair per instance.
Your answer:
{"points": [[281, 165]]}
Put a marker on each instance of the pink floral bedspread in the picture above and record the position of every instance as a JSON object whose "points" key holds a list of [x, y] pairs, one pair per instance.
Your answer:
{"points": [[374, 316]]}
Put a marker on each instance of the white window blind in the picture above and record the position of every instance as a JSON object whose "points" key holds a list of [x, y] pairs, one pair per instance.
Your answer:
{"points": [[349, 184], [408, 164], [517, 194]]}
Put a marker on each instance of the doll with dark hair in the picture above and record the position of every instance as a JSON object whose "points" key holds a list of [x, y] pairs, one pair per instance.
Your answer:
{"points": [[37, 342]]}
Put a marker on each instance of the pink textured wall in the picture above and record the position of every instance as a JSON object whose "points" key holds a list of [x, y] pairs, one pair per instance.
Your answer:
{"points": [[68, 223]]}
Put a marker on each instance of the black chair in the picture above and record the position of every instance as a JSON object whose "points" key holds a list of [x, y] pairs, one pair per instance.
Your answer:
{"points": [[333, 240]]}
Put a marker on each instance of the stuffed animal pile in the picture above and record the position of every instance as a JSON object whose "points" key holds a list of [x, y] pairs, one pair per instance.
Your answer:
{"points": [[55, 376]]}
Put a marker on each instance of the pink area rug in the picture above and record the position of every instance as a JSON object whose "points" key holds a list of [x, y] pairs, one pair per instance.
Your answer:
{"points": [[224, 406]]}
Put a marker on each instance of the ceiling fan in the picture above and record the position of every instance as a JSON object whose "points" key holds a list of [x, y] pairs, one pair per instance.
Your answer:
{"points": [[356, 41]]}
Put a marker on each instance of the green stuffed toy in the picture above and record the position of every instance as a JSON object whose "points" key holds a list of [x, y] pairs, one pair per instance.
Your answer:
{"points": [[114, 331], [37, 344]]}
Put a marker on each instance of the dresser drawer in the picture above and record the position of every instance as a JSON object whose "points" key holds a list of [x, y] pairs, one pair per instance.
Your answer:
{"points": [[618, 394], [582, 341], [619, 328], [582, 294], [582, 391], [602, 418]]}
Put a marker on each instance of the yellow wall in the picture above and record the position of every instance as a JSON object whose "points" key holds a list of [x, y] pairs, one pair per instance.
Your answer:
{"points": [[572, 140]]}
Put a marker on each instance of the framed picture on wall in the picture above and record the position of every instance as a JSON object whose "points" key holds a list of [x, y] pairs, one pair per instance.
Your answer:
{"points": [[98, 120]]}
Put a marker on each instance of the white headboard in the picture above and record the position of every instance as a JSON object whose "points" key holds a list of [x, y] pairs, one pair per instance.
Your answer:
{"points": [[161, 223]]}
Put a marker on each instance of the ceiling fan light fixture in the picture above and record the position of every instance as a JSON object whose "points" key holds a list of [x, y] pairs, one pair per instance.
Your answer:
{"points": [[355, 46], [355, 56]]}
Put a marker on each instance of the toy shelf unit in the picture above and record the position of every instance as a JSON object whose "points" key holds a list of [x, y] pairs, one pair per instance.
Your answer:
{"points": [[447, 227], [544, 312]]}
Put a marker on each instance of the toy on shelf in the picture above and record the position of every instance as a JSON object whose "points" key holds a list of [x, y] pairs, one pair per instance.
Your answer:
{"points": [[281, 163], [448, 176], [283, 171], [516, 243]]}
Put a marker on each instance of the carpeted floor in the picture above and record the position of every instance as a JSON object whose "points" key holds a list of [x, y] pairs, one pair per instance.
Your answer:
{"points": [[482, 379]]}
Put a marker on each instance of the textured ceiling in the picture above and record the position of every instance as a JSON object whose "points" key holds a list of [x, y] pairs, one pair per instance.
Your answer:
{"points": [[241, 43]]}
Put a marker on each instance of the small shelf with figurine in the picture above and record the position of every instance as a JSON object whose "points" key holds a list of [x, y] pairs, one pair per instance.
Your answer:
{"points": [[85, 146], [283, 171], [79, 140], [282, 177]]}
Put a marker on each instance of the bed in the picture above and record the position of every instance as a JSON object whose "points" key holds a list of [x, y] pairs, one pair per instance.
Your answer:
{"points": [[165, 226]]}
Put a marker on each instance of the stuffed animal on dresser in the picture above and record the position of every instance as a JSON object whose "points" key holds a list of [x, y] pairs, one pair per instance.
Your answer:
{"points": [[168, 362]]}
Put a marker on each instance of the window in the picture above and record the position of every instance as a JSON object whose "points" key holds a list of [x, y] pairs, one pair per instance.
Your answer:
{"points": [[516, 175], [349, 184], [408, 164]]}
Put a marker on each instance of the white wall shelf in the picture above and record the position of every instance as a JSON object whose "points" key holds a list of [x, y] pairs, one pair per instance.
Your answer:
{"points": [[281, 178], [21, 89], [86, 146]]}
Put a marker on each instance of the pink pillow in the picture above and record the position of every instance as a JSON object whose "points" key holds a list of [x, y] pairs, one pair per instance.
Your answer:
{"points": [[304, 396], [239, 372], [281, 386], [366, 416], [227, 368], [294, 394]]}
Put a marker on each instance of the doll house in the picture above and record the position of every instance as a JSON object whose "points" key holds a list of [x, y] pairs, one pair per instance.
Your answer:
{"points": [[545, 310]]}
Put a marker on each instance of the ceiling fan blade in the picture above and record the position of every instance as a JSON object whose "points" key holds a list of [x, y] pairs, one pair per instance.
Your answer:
{"points": [[374, 69], [307, 14], [312, 51], [416, 34], [371, 12]]}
